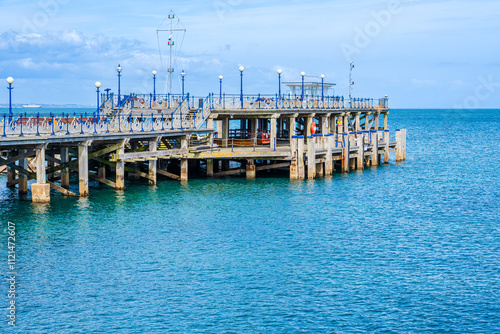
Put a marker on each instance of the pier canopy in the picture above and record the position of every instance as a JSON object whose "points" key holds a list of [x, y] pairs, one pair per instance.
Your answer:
{"points": [[311, 88]]}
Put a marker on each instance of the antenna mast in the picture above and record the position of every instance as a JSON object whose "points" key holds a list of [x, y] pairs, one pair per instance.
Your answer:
{"points": [[351, 83], [171, 17]]}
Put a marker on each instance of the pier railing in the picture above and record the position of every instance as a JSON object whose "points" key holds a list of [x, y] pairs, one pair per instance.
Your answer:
{"points": [[66, 124], [258, 102]]}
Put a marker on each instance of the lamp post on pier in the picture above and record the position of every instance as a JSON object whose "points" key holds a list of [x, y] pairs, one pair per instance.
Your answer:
{"points": [[241, 84], [98, 85], [279, 82], [220, 88], [154, 85], [10, 81], [183, 74], [322, 87], [303, 74], [119, 70]]}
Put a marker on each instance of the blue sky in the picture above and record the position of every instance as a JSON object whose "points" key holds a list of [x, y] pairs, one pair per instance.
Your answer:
{"points": [[423, 54]]}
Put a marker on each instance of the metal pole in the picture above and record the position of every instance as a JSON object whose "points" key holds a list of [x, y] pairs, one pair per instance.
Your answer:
{"points": [[322, 90], [241, 94], [10, 103], [119, 76], [220, 91], [302, 88], [154, 87], [279, 85]]}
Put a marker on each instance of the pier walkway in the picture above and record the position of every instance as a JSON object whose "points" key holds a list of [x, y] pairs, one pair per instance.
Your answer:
{"points": [[143, 136]]}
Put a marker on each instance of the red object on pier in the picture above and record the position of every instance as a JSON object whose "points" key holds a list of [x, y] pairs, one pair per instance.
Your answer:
{"points": [[313, 128]]}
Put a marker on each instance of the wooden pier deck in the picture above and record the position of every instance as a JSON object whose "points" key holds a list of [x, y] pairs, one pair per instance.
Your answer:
{"points": [[142, 138]]}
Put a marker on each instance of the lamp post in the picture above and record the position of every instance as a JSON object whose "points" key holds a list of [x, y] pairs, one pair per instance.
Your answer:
{"points": [[303, 74], [279, 82], [241, 93], [182, 75], [119, 70], [220, 88], [98, 85], [10, 81], [154, 85], [322, 87]]}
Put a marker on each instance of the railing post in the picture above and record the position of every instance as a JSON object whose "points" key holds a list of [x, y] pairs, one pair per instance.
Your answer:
{"points": [[172, 120], [4, 122], [152, 123], [95, 130], [21, 135], [162, 127], [142, 124], [119, 123], [53, 133], [180, 114], [81, 124]]}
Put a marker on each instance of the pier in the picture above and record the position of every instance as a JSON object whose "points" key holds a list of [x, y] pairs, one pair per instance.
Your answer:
{"points": [[143, 136]]}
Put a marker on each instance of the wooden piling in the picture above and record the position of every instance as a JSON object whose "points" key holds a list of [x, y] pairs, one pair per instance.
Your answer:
{"points": [[250, 169], [83, 169], [311, 158], [23, 179]]}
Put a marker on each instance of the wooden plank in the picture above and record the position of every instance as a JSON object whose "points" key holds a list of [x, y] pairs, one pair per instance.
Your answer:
{"points": [[103, 180], [168, 174], [148, 154], [231, 172], [273, 166], [62, 190], [21, 156]]}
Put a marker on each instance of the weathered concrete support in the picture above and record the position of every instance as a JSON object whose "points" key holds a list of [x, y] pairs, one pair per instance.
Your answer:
{"points": [[403, 145], [386, 139], [253, 126], [300, 157], [345, 152], [225, 131], [374, 141], [324, 123], [40, 191], [309, 121], [23, 179], [291, 127], [11, 174], [153, 164], [311, 158], [83, 169], [184, 169], [250, 168], [65, 171], [219, 128], [294, 167], [320, 171], [361, 151], [400, 144], [210, 167], [329, 155], [273, 140], [120, 169]]}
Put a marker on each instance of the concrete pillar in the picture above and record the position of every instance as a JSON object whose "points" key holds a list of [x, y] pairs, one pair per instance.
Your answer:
{"points": [[345, 152], [308, 126], [386, 140], [324, 124], [291, 127], [83, 169], [184, 169], [120, 170], [23, 179], [250, 169], [225, 131], [219, 129], [399, 155], [311, 158], [300, 157], [253, 126], [11, 173], [320, 170], [273, 140], [153, 164], [40, 191], [361, 151], [375, 140], [65, 171], [294, 168], [210, 167], [329, 155]]}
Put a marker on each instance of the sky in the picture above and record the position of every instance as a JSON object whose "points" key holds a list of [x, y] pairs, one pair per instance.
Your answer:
{"points": [[422, 54]]}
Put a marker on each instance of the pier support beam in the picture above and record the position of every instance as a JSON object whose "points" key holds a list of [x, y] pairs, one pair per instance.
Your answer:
{"points": [[294, 167], [375, 140], [361, 151], [225, 131], [184, 169], [83, 168], [311, 158], [11, 173], [291, 127], [250, 168], [153, 164], [210, 167], [120, 169], [329, 155], [300, 157], [273, 140], [40, 191], [23, 179], [386, 140], [65, 171]]}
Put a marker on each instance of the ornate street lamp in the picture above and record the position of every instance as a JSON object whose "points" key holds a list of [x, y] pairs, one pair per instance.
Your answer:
{"points": [[322, 87], [183, 74], [10, 81], [303, 74], [220, 88], [119, 70], [98, 85], [279, 82], [154, 85]]}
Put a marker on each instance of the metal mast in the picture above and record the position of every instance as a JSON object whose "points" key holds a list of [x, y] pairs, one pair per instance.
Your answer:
{"points": [[351, 66], [171, 43]]}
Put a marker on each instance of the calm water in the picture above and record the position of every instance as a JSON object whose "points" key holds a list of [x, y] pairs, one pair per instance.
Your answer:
{"points": [[408, 247]]}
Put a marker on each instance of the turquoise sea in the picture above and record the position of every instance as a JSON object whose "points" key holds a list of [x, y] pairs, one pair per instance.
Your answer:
{"points": [[411, 247]]}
